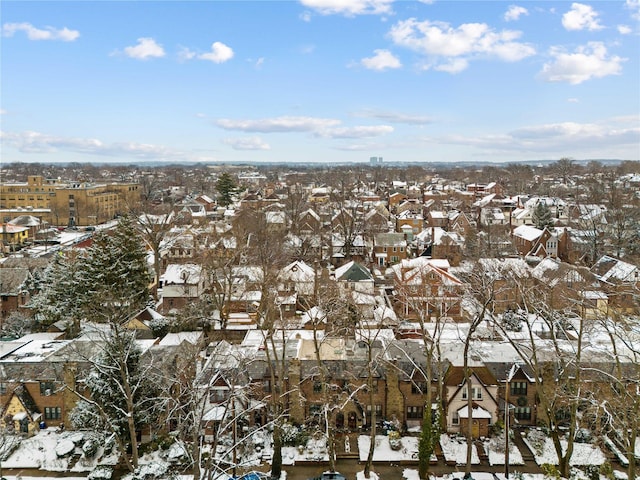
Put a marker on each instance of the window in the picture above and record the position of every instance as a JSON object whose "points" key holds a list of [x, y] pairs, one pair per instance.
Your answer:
{"points": [[418, 387], [378, 409], [52, 413], [414, 413], [3, 388], [217, 395], [476, 393], [518, 388], [47, 388], [455, 420], [522, 413], [317, 387]]}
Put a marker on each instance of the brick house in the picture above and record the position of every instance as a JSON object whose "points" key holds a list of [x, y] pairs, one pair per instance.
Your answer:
{"points": [[484, 396], [389, 248]]}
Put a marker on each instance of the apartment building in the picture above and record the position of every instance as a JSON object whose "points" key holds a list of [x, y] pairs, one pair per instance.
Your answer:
{"points": [[70, 204]]}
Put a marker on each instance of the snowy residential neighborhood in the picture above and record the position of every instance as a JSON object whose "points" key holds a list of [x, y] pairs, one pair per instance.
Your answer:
{"points": [[244, 323]]}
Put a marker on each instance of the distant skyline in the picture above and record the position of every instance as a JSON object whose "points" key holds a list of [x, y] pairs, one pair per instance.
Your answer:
{"points": [[319, 81]]}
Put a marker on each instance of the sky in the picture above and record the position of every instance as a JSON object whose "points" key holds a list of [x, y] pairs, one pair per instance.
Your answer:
{"points": [[319, 81]]}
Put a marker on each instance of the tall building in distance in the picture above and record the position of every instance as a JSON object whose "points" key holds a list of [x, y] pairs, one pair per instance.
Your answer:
{"points": [[75, 203], [375, 160]]}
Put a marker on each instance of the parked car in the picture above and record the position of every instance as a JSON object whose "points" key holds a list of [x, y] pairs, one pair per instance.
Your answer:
{"points": [[330, 476]]}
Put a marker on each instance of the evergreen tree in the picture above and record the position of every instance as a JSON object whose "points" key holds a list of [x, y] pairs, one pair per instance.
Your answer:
{"points": [[116, 276], [123, 394], [58, 294], [542, 216], [108, 283], [226, 187]]}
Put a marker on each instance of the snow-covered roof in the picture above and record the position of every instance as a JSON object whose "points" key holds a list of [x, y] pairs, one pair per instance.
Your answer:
{"points": [[476, 412], [527, 232], [179, 337], [297, 271], [181, 273]]}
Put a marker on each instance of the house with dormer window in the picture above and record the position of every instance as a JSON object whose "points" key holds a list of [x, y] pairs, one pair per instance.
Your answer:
{"points": [[484, 400]]}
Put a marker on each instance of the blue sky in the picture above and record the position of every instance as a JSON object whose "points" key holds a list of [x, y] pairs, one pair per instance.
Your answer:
{"points": [[319, 81]]}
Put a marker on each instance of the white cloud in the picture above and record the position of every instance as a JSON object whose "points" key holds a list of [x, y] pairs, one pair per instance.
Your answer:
{"points": [[395, 117], [246, 143], [453, 66], [349, 8], [185, 54], [145, 48], [609, 138], [258, 63], [589, 61], [319, 127], [219, 53], [3, 111], [278, 124], [382, 60], [624, 29], [33, 33], [634, 6], [440, 42], [581, 17], [573, 100], [36, 142], [355, 132], [514, 13]]}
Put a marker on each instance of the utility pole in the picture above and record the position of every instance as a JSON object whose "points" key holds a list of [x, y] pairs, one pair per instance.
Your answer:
{"points": [[510, 375]]}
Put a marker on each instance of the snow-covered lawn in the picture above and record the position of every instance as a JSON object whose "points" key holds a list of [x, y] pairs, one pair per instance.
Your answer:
{"points": [[455, 450], [38, 451], [383, 451], [43, 449], [372, 475], [495, 451], [314, 451], [583, 453], [412, 474]]}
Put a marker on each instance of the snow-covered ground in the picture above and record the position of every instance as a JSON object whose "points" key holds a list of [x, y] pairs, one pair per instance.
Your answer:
{"points": [[495, 451], [38, 451], [41, 452], [455, 450], [583, 453], [383, 451], [412, 474], [314, 451]]}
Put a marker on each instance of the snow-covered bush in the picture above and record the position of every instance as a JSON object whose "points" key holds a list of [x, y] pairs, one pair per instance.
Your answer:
{"points": [[90, 447], [293, 435], [395, 442], [64, 447], [149, 471], [537, 439], [512, 321], [101, 472], [583, 435], [159, 326]]}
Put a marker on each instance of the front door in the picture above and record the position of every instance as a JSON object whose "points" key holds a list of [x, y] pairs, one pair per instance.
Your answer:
{"points": [[475, 429], [352, 421]]}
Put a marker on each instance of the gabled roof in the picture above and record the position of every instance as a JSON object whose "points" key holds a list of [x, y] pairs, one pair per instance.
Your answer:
{"points": [[353, 272], [612, 270], [297, 271], [527, 232]]}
